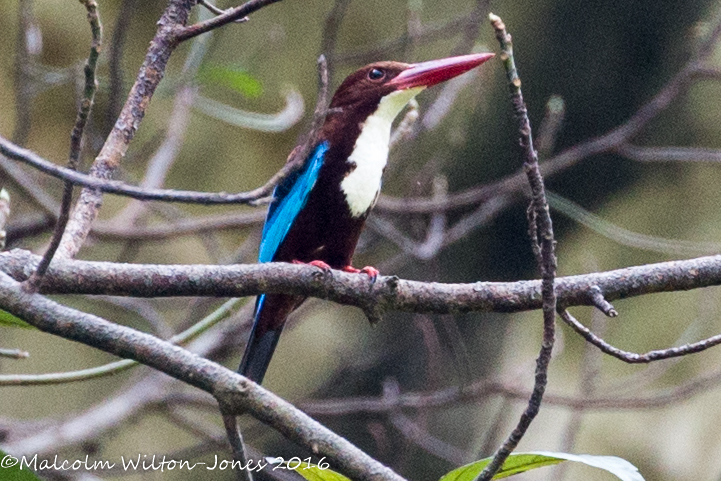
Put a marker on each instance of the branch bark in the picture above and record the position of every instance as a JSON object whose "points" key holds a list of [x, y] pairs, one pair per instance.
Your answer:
{"points": [[390, 293], [235, 393]]}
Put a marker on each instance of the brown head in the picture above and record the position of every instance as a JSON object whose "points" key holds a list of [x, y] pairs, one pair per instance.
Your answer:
{"points": [[371, 83], [362, 110]]}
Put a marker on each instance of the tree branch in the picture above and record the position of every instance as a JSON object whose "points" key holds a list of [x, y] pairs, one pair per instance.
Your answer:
{"points": [[116, 145], [230, 15], [234, 392], [150, 280]]}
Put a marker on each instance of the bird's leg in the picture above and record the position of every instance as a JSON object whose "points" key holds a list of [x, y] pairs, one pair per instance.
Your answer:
{"points": [[319, 264], [372, 272]]}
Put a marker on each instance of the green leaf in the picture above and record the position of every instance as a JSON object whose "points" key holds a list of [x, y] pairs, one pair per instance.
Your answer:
{"points": [[309, 471], [522, 462], [8, 320], [10, 469], [234, 78]]}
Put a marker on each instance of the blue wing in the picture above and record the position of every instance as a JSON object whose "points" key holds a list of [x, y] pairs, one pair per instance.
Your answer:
{"points": [[290, 198]]}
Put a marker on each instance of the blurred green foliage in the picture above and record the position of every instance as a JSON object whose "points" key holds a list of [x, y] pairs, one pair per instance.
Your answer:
{"points": [[234, 78], [8, 320]]}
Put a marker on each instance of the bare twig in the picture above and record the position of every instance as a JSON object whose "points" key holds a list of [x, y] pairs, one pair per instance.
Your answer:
{"points": [[681, 247], [601, 303], [426, 33], [543, 235], [23, 97], [415, 433], [163, 159], [219, 11], [76, 142], [96, 184], [405, 126], [632, 357], [254, 197], [228, 16], [237, 446], [587, 386]]}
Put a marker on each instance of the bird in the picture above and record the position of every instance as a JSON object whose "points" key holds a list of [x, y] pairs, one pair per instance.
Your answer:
{"points": [[317, 213]]}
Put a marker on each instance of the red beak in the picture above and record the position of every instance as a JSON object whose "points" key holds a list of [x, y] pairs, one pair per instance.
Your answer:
{"points": [[429, 73]]}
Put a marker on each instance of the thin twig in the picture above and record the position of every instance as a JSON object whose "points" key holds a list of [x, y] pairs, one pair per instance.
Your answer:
{"points": [[219, 11], [415, 433], [299, 154], [164, 156], [587, 385], [254, 197], [23, 99], [547, 261], [237, 446], [668, 154], [231, 15], [679, 247], [76, 142], [632, 357]]}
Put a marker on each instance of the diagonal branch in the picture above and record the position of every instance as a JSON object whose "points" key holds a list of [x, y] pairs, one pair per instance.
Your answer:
{"points": [[116, 145], [230, 15], [234, 392]]}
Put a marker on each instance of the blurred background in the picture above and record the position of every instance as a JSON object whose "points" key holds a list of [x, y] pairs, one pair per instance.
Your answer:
{"points": [[597, 62]]}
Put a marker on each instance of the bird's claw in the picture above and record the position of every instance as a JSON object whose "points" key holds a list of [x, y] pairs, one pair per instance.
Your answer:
{"points": [[370, 271], [319, 264]]}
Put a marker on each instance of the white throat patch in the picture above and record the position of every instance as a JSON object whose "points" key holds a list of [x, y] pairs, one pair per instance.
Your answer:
{"points": [[370, 152]]}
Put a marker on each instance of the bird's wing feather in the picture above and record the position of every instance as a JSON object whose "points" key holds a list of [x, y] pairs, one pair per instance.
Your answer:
{"points": [[290, 197]]}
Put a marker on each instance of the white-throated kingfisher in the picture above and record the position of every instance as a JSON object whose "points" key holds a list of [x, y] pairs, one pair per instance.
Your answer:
{"points": [[318, 212]]}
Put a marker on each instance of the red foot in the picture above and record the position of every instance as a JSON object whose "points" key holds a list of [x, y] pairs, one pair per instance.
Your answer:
{"points": [[372, 272], [319, 264]]}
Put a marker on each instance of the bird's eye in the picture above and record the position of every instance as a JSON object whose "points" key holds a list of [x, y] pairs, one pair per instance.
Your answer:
{"points": [[376, 74]]}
